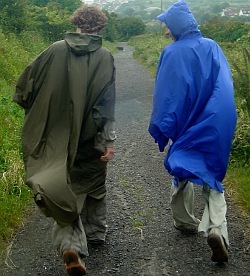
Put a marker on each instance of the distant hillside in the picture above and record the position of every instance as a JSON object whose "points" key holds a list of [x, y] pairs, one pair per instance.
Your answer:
{"points": [[119, 6], [147, 10]]}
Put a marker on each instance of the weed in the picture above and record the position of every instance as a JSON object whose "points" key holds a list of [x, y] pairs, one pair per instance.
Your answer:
{"points": [[136, 223]]}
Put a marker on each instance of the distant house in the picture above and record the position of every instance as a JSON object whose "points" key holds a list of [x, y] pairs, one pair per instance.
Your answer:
{"points": [[229, 12], [111, 5], [244, 12], [232, 12], [150, 9]]}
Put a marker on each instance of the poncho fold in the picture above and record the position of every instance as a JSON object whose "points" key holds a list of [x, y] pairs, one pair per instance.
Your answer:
{"points": [[193, 104], [67, 92]]}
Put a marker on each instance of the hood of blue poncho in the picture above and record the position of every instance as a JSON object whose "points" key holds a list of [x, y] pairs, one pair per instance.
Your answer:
{"points": [[179, 20]]}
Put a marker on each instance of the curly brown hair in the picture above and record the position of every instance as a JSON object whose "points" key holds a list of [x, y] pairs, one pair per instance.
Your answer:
{"points": [[89, 19]]}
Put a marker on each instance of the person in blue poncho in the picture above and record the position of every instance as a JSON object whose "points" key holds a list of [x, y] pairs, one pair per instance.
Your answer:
{"points": [[194, 112]]}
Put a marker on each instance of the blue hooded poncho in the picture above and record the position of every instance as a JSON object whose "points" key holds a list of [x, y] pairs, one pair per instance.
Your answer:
{"points": [[193, 103]]}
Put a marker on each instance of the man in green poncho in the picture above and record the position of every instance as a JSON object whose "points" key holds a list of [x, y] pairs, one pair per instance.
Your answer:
{"points": [[68, 94]]}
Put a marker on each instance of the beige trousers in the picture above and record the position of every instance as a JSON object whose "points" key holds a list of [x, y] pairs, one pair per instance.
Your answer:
{"points": [[90, 225], [87, 179], [214, 214]]}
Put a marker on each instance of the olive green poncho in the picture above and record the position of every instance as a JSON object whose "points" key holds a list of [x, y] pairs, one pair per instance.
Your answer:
{"points": [[68, 94]]}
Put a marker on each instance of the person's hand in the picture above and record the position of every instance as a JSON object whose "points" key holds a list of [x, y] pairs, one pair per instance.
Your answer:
{"points": [[108, 154], [162, 141]]}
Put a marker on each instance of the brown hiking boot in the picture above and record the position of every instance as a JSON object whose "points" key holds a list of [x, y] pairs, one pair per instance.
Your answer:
{"points": [[218, 246], [187, 229], [74, 264], [96, 242]]}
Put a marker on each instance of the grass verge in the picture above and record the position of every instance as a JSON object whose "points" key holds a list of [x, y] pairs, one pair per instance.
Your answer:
{"points": [[15, 197], [239, 184]]}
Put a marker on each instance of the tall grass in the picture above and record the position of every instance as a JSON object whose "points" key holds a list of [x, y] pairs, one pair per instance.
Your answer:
{"points": [[239, 59], [15, 197], [147, 49]]}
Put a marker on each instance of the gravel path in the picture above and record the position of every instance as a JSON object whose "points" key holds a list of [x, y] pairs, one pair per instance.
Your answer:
{"points": [[141, 238]]}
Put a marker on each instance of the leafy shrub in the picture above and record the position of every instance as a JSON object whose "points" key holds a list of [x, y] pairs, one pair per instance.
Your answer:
{"points": [[128, 27], [220, 29]]}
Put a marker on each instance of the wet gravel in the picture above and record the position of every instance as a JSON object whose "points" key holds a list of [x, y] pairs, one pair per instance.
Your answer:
{"points": [[141, 238]]}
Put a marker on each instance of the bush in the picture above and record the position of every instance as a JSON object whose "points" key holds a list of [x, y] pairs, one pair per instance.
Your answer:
{"points": [[220, 29]]}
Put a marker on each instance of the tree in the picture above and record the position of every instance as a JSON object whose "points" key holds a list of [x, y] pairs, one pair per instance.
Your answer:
{"points": [[48, 17], [12, 15], [129, 12], [39, 3], [51, 21], [109, 32], [154, 14], [129, 26], [70, 5], [219, 7]]}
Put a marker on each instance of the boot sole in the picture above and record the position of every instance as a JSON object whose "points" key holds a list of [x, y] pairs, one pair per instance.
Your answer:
{"points": [[73, 266], [220, 254]]}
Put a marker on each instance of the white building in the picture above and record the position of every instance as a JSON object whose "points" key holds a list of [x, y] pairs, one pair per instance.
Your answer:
{"points": [[232, 12], [244, 12]]}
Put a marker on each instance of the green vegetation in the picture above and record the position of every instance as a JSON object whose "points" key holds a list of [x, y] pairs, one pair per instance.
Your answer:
{"points": [[147, 50], [238, 187], [14, 195], [47, 18], [147, 10], [122, 29], [128, 27], [29, 26], [224, 30], [51, 19]]}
